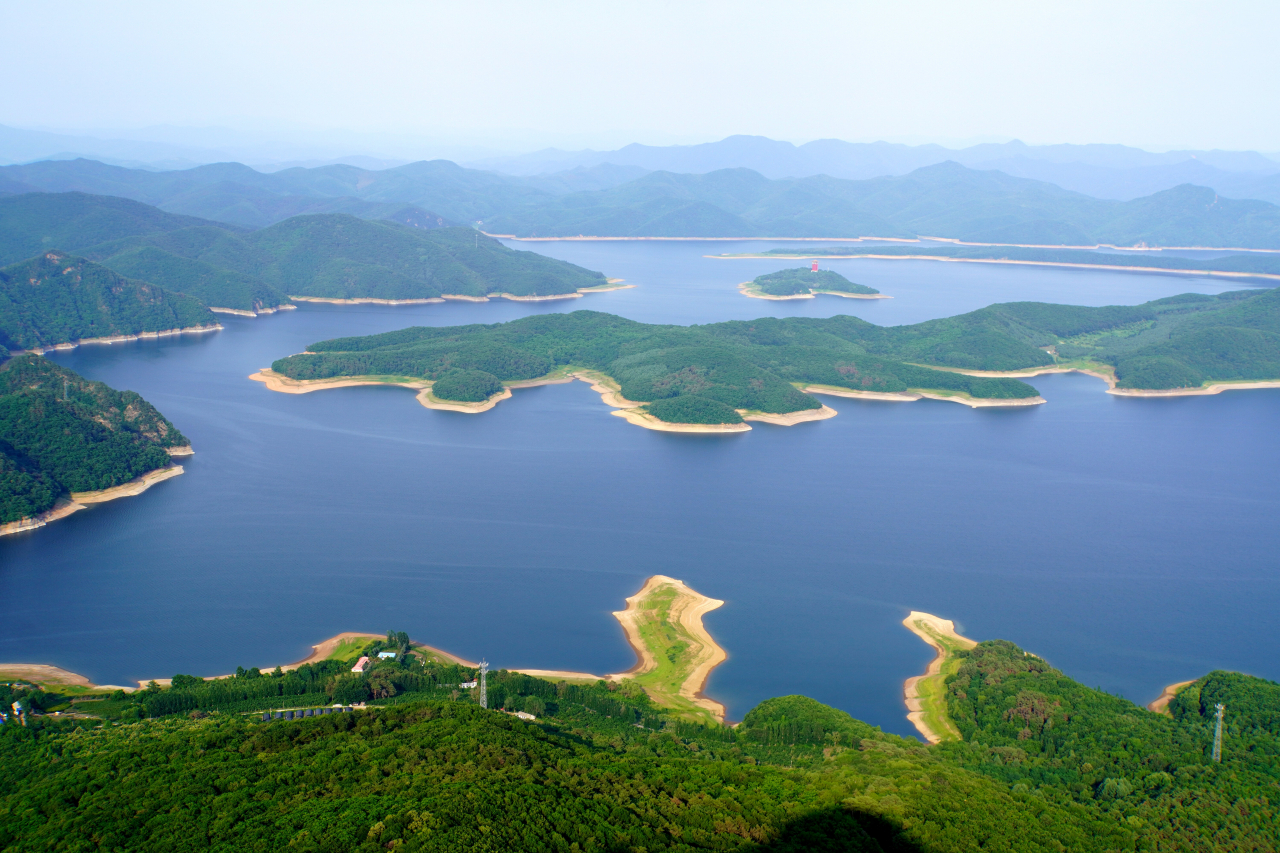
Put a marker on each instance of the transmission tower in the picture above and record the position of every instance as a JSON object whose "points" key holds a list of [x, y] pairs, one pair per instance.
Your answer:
{"points": [[1217, 733], [484, 692]]}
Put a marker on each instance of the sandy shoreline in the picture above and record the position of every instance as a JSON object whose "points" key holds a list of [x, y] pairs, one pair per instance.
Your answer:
{"points": [[38, 673], [119, 339], [912, 396], [240, 312], [688, 609], [1108, 377], [1059, 264], [82, 500], [930, 628], [747, 290], [1161, 703]]}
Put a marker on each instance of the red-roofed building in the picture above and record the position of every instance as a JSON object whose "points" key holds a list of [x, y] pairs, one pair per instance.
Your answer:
{"points": [[360, 664]]}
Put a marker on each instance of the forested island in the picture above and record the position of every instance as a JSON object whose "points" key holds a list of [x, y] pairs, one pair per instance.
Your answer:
{"points": [[722, 373], [804, 283], [66, 441], [410, 761], [328, 257]]}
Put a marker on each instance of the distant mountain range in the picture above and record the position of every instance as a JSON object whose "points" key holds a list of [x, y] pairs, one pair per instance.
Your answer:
{"points": [[1104, 171], [946, 200]]}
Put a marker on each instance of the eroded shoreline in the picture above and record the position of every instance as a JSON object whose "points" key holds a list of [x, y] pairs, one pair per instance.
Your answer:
{"points": [[755, 293]]}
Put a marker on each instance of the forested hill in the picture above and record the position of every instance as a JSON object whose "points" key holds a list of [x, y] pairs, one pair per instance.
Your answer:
{"points": [[803, 280], [57, 299], [329, 256], [711, 371], [61, 433], [1046, 764], [941, 200]]}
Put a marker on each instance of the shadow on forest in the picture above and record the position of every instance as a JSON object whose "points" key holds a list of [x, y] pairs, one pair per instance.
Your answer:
{"points": [[838, 830]]}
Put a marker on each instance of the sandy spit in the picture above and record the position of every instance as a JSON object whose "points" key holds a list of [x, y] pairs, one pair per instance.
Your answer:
{"points": [[688, 609], [922, 624], [364, 301], [239, 312], [791, 418], [38, 673], [1110, 379], [1161, 703]]}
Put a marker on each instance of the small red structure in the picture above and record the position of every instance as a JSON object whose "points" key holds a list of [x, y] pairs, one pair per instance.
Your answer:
{"points": [[359, 667], [815, 267]]}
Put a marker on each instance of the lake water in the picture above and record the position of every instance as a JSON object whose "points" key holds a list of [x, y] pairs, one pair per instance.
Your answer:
{"points": [[1131, 542]]}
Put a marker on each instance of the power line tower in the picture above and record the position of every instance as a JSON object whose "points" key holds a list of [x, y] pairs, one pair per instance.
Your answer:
{"points": [[1217, 733], [484, 691]]}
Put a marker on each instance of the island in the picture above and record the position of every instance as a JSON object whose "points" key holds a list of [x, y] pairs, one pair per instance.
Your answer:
{"points": [[699, 378], [801, 283], [67, 442]]}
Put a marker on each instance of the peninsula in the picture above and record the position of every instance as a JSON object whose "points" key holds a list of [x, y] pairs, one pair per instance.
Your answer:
{"points": [[66, 442], [804, 283], [926, 695], [676, 653]]}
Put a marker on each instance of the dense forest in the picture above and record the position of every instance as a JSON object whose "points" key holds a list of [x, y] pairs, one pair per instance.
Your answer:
{"points": [[1045, 764], [803, 280], [724, 366], [61, 433], [942, 200], [332, 255], [56, 298]]}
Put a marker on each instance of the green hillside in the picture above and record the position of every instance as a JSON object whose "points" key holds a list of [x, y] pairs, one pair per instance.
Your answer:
{"points": [[417, 256], [61, 433], [56, 298], [803, 280], [1046, 764]]}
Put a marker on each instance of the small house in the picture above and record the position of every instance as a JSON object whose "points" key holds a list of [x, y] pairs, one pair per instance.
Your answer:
{"points": [[385, 655], [360, 664]]}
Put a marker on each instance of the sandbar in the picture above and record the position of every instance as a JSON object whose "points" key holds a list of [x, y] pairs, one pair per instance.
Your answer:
{"points": [[240, 312], [1107, 375], [52, 676], [924, 694], [1161, 704], [703, 655]]}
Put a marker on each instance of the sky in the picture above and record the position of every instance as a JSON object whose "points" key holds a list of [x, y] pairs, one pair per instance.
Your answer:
{"points": [[521, 75]]}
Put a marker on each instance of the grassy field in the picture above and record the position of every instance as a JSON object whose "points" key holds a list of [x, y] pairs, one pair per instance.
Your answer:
{"points": [[931, 688]]}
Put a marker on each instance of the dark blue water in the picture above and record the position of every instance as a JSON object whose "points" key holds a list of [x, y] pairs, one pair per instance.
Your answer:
{"points": [[1131, 542]]}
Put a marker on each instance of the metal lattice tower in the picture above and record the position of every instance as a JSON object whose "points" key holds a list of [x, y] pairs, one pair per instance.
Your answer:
{"points": [[1217, 733], [484, 692]]}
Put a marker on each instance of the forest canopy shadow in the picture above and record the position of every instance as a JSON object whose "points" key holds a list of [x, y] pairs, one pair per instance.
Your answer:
{"points": [[838, 830]]}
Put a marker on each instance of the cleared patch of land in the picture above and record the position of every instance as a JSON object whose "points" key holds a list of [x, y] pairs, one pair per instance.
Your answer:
{"points": [[663, 623], [1161, 703], [926, 695]]}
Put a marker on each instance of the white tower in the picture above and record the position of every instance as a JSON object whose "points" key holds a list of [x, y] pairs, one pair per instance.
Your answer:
{"points": [[484, 692], [1217, 733]]}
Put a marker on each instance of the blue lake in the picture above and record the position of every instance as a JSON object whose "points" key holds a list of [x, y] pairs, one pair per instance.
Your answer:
{"points": [[1131, 542]]}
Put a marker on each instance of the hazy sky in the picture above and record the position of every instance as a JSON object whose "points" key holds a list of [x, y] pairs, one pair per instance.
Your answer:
{"points": [[514, 74]]}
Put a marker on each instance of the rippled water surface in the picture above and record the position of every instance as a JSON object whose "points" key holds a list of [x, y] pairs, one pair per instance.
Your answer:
{"points": [[1131, 542]]}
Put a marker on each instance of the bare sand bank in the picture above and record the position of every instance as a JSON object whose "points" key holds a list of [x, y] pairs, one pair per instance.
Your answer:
{"points": [[755, 293], [648, 421], [926, 704], [184, 450], [697, 662], [791, 418], [911, 396], [1161, 704], [52, 676], [119, 339], [1107, 375], [364, 301]]}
